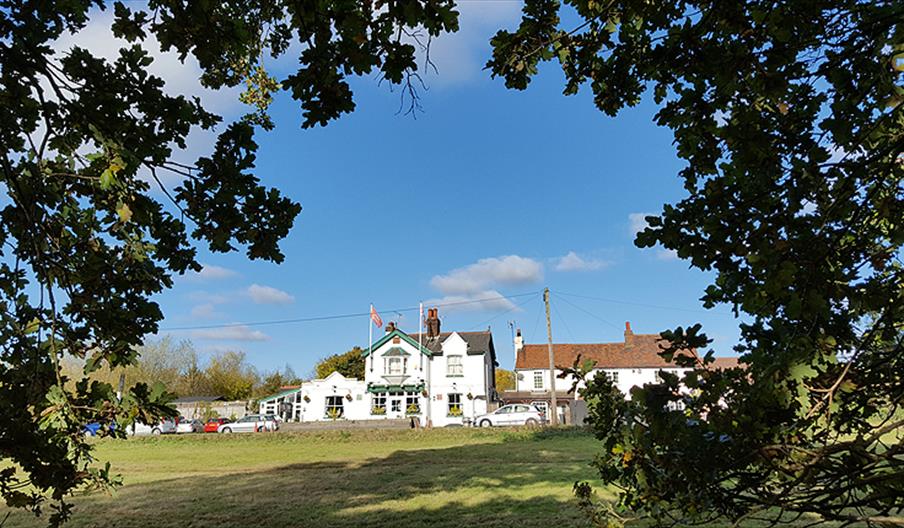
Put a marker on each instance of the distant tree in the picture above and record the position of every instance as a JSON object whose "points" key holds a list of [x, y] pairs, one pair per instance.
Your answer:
{"points": [[505, 380], [272, 382], [350, 364], [230, 376], [789, 119]]}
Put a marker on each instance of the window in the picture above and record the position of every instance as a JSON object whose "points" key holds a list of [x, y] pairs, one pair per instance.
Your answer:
{"points": [[378, 404], [395, 366], [412, 404], [613, 376], [521, 408], [454, 405], [504, 410], [454, 366], [658, 377], [334, 408], [396, 405], [538, 379]]}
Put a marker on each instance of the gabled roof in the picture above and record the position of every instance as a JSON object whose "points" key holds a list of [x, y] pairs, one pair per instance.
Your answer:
{"points": [[643, 353], [280, 394], [396, 333], [478, 342]]}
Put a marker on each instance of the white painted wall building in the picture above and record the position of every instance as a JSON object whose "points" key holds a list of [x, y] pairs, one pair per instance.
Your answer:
{"points": [[630, 363], [438, 378]]}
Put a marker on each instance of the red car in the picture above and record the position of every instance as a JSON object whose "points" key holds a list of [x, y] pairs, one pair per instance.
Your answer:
{"points": [[213, 423]]}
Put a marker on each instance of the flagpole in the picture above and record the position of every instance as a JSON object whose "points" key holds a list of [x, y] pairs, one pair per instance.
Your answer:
{"points": [[420, 334], [370, 336]]}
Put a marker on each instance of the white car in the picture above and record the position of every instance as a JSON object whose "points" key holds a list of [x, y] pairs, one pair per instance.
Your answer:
{"points": [[167, 426], [189, 426], [514, 414], [253, 423]]}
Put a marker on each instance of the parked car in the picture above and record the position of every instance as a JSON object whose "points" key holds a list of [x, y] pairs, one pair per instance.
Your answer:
{"points": [[167, 426], [514, 414], [253, 423], [275, 419], [212, 424], [93, 428], [184, 425]]}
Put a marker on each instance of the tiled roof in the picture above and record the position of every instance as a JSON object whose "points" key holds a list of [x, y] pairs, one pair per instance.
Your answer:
{"points": [[643, 353], [478, 342], [724, 362]]}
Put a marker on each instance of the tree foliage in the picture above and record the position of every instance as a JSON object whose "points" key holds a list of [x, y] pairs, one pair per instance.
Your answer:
{"points": [[505, 380], [789, 117], [350, 364], [272, 382], [90, 231]]}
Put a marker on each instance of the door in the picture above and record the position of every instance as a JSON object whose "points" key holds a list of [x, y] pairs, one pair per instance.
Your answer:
{"points": [[520, 415], [503, 416], [396, 407]]}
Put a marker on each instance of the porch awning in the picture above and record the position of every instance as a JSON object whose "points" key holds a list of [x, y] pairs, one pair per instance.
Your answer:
{"points": [[395, 388]]}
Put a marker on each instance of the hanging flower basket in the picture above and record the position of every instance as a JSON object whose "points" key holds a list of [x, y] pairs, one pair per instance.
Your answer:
{"points": [[307, 399], [424, 393], [348, 397], [470, 396]]}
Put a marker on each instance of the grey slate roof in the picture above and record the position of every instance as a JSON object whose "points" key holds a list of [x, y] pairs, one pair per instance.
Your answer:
{"points": [[478, 342]]}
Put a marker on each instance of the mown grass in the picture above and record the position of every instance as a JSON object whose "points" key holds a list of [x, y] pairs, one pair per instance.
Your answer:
{"points": [[435, 478]]}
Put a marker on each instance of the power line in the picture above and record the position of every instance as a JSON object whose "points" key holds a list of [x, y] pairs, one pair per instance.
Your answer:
{"points": [[587, 311], [564, 322], [642, 305], [336, 316], [519, 305]]}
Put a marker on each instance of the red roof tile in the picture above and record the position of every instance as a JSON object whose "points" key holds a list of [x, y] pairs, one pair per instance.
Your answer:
{"points": [[643, 353], [724, 362]]}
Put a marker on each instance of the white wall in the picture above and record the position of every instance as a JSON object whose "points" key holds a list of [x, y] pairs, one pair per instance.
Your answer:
{"points": [[473, 381], [627, 378]]}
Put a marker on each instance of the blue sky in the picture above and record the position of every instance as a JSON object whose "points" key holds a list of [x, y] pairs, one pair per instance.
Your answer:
{"points": [[489, 192]]}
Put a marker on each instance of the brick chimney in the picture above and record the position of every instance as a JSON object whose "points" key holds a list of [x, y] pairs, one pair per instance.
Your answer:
{"points": [[433, 324], [519, 344], [629, 335]]}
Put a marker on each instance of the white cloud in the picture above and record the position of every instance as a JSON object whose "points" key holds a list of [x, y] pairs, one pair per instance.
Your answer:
{"points": [[487, 273], [204, 311], [473, 287], [237, 332], [574, 262], [205, 297], [267, 295], [489, 300], [638, 222], [460, 57], [211, 272]]}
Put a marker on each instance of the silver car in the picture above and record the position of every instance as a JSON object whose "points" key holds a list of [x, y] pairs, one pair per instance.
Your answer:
{"points": [[253, 423], [167, 426], [514, 414]]}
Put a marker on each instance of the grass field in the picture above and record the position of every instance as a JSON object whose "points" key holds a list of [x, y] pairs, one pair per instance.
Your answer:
{"points": [[399, 479]]}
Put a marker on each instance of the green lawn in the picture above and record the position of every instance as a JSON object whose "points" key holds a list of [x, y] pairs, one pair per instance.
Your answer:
{"points": [[399, 479]]}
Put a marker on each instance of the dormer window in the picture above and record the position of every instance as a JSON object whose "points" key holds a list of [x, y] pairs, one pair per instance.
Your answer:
{"points": [[396, 366]]}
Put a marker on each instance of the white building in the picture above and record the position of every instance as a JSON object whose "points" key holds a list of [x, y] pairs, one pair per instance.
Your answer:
{"points": [[439, 378], [633, 362]]}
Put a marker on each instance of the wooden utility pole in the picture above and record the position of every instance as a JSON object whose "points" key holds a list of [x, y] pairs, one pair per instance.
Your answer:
{"points": [[554, 408]]}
